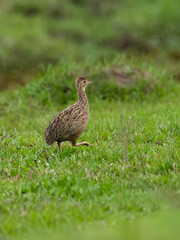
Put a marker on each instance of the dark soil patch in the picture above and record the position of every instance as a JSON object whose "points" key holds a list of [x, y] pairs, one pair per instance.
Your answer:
{"points": [[126, 75], [13, 80], [55, 13], [28, 10], [176, 76], [127, 42]]}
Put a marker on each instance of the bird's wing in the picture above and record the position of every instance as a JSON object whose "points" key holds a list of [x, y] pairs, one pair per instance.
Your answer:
{"points": [[58, 125]]}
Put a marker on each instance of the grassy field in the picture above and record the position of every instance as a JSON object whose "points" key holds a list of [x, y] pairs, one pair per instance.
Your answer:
{"points": [[34, 34], [127, 185], [111, 189]]}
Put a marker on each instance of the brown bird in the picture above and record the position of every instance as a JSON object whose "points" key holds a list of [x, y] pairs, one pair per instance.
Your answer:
{"points": [[69, 124]]}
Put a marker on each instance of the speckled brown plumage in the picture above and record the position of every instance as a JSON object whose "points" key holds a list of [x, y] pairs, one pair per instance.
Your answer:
{"points": [[69, 124]]}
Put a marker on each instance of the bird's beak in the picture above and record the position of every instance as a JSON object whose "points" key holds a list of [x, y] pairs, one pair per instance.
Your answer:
{"points": [[90, 82]]}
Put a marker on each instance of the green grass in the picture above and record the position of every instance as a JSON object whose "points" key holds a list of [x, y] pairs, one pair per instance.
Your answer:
{"points": [[127, 185], [37, 33], [131, 173]]}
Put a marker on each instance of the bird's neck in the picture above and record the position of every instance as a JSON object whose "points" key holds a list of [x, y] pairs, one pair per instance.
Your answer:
{"points": [[82, 97]]}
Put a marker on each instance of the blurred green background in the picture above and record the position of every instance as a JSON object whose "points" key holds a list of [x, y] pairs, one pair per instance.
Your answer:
{"points": [[37, 33]]}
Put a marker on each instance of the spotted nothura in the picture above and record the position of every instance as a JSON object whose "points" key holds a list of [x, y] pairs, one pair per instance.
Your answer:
{"points": [[70, 123]]}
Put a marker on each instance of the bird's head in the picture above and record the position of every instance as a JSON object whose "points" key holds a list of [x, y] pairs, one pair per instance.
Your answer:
{"points": [[81, 83]]}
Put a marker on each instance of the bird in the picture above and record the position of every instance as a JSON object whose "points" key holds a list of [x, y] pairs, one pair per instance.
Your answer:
{"points": [[70, 123]]}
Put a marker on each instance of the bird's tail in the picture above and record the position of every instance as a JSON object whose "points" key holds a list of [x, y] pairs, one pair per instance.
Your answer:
{"points": [[48, 136]]}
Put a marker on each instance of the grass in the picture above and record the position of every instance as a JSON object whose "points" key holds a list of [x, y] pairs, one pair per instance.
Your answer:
{"points": [[125, 186], [38, 33], [130, 174]]}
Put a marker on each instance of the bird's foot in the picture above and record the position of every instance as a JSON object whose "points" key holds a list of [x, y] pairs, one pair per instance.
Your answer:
{"points": [[83, 143]]}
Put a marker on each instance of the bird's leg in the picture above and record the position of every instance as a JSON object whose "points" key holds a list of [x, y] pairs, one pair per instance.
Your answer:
{"points": [[59, 146], [81, 143]]}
